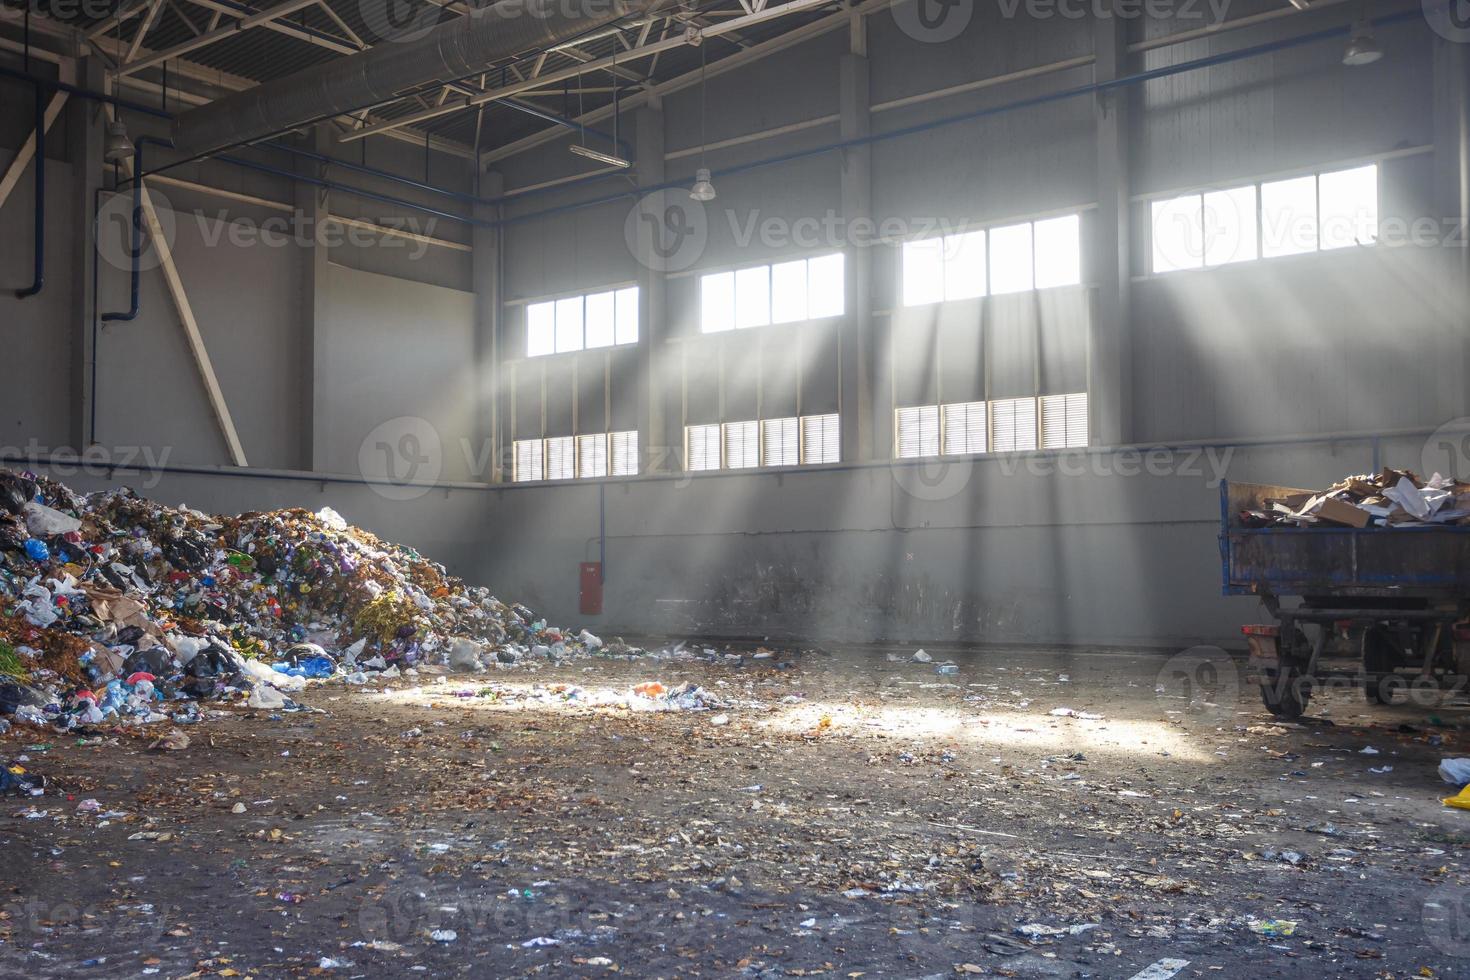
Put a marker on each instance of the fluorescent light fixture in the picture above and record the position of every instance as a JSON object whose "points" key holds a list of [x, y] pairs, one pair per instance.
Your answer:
{"points": [[607, 158]]}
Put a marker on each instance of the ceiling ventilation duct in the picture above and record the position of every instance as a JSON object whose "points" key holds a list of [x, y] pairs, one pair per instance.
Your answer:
{"points": [[452, 50]]}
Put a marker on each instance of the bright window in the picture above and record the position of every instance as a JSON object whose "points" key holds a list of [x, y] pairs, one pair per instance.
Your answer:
{"points": [[788, 292], [1013, 425], [964, 428], [1012, 265], [917, 431], [1314, 212], [591, 456], [540, 329], [781, 442], [1008, 259], [582, 322], [626, 304], [600, 319], [1228, 225], [1289, 216], [702, 447], [717, 302], [1058, 244], [569, 324], [561, 462], [1178, 233], [529, 461], [1064, 421], [1348, 207], [964, 265], [826, 284], [742, 445], [923, 272], [624, 453], [821, 439], [753, 297]]}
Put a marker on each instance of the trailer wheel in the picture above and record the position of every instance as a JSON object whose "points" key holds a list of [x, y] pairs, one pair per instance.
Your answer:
{"points": [[1286, 695], [1380, 656]]}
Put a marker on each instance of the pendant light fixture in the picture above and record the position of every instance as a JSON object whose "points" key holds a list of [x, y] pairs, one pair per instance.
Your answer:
{"points": [[703, 189]]}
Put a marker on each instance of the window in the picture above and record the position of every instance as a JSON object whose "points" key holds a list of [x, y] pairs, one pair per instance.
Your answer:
{"points": [[1316, 212], [918, 431], [821, 439], [1347, 203], [560, 463], [540, 329], [1178, 233], [964, 428], [1004, 425], [1012, 265], [702, 447], [591, 456], [769, 442], [1289, 217], [1008, 259], [1064, 421], [781, 442], [742, 445], [1058, 246], [584, 457], [1013, 425], [582, 322], [788, 292], [624, 453], [529, 461]]}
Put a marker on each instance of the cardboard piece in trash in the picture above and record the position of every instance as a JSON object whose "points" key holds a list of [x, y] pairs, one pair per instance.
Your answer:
{"points": [[1338, 512]]}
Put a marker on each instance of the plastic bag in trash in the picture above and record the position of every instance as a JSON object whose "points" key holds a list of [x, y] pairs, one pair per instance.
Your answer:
{"points": [[1456, 772], [266, 697]]}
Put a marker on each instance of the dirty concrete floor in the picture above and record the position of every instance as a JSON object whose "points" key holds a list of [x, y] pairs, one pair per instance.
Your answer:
{"points": [[840, 815]]}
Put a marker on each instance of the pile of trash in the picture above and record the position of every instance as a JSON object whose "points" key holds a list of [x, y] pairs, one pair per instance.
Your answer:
{"points": [[115, 609], [1397, 498]]}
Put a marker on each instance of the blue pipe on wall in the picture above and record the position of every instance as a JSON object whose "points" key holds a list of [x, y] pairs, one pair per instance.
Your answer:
{"points": [[136, 248], [39, 282]]}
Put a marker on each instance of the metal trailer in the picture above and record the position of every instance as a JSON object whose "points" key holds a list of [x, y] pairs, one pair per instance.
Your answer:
{"points": [[1400, 596]]}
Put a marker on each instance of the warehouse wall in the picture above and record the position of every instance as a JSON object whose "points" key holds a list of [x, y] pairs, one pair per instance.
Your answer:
{"points": [[1086, 548], [1079, 548]]}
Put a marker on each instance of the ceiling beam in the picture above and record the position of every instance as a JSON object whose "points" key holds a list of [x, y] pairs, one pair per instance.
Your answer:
{"points": [[132, 64], [600, 64]]}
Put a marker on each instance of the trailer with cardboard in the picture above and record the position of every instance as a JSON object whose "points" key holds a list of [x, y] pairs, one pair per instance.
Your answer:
{"points": [[1397, 597]]}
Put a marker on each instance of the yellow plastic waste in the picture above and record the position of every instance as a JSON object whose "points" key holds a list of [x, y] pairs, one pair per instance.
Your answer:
{"points": [[1460, 801]]}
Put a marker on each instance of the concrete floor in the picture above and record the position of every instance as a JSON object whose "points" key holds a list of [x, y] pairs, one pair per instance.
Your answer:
{"points": [[840, 814]]}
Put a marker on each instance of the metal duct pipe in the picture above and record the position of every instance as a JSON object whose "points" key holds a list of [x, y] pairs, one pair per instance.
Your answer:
{"points": [[452, 50]]}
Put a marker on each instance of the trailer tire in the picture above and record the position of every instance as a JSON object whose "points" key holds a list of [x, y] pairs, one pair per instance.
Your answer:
{"points": [[1286, 695], [1380, 655]]}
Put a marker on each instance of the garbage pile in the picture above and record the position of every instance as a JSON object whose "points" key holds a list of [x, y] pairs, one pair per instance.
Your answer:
{"points": [[115, 609], [1394, 498]]}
